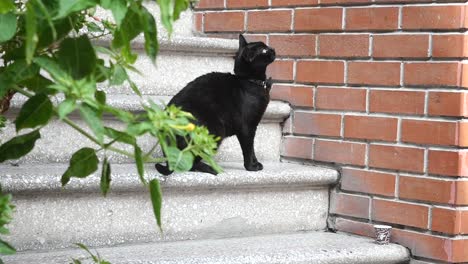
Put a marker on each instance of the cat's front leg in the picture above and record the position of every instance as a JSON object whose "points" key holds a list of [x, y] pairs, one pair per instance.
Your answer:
{"points": [[246, 140]]}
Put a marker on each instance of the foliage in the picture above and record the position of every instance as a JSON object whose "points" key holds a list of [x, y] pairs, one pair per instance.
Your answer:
{"points": [[48, 50], [6, 211], [95, 257]]}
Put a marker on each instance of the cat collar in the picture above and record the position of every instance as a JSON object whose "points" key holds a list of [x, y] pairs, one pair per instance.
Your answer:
{"points": [[265, 84]]}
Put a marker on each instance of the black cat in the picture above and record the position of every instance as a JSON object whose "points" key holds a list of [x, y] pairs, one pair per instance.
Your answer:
{"points": [[230, 104]]}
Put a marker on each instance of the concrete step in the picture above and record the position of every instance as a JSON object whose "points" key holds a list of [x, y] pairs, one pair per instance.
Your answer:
{"points": [[310, 247], [59, 141], [180, 61], [281, 198]]}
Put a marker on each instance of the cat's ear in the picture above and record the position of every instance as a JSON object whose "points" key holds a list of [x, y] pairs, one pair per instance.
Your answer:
{"points": [[242, 41]]}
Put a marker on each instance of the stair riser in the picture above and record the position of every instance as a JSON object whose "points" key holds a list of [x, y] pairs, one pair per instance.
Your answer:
{"points": [[58, 143], [172, 71], [59, 220]]}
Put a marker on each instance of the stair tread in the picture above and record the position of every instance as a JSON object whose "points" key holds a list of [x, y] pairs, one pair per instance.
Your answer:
{"points": [[307, 247], [276, 110], [46, 177]]}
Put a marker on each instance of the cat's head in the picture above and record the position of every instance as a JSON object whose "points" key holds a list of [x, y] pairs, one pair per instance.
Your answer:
{"points": [[253, 56]]}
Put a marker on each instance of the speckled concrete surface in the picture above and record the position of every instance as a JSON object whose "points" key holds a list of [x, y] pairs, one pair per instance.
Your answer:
{"points": [[311, 247], [282, 198], [46, 178], [172, 72]]}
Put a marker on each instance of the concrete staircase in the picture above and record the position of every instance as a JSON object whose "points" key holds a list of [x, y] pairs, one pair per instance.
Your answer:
{"points": [[277, 215]]}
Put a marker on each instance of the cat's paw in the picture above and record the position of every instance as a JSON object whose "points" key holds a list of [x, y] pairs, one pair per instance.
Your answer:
{"points": [[255, 166]]}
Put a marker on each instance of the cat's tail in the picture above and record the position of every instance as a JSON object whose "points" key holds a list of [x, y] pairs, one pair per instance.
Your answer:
{"points": [[164, 170]]}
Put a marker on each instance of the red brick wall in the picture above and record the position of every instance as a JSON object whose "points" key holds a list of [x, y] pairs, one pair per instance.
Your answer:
{"points": [[379, 89]]}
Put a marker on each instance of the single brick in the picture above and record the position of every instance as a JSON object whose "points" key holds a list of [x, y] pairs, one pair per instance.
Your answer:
{"points": [[344, 45], [246, 3], [394, 101], [432, 190], [448, 104], [198, 21], [400, 46], [433, 17], [225, 21], [298, 95], [345, 2], [340, 152], [450, 221], [349, 205], [318, 19], [320, 71], [450, 46], [432, 246], [373, 128], [293, 45], [276, 3], [448, 163], [400, 213], [374, 73], [341, 99], [433, 74], [269, 21], [296, 147], [281, 70], [317, 124], [364, 181], [354, 227], [208, 4], [397, 158], [429, 132], [372, 18]]}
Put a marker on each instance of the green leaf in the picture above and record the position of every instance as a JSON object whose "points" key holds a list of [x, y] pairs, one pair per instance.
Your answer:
{"points": [[82, 246], [156, 200], [6, 249], [134, 88], [77, 56], [38, 84], [93, 27], [119, 75], [93, 119], [120, 136], [15, 73], [7, 26], [18, 146], [150, 33], [67, 7], [6, 6], [105, 176], [166, 13], [139, 164], [179, 7], [4, 231], [100, 97], [179, 161], [83, 163], [139, 129], [54, 69], [129, 29], [65, 107], [118, 8], [31, 32], [76, 261], [35, 112]]}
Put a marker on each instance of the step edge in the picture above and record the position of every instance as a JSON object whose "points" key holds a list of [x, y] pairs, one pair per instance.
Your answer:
{"points": [[277, 111], [183, 44], [388, 254], [21, 179]]}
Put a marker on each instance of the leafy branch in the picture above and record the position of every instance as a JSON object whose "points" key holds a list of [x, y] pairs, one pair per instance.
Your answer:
{"points": [[48, 50]]}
